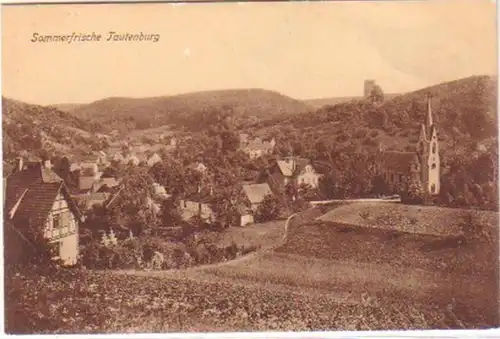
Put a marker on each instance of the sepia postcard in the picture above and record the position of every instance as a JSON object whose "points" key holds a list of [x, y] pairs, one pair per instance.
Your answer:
{"points": [[250, 167]]}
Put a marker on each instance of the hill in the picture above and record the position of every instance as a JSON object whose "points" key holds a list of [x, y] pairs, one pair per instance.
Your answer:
{"points": [[31, 130], [191, 110], [66, 107], [464, 110], [465, 113], [320, 102]]}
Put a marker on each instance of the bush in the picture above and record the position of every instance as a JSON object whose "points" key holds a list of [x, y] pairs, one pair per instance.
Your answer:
{"points": [[268, 210]]}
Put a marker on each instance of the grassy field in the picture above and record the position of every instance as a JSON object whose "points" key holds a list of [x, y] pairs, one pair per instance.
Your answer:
{"points": [[408, 218], [326, 276], [259, 235]]}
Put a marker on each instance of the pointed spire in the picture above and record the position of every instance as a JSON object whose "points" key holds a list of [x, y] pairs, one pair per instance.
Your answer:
{"points": [[429, 121], [423, 134]]}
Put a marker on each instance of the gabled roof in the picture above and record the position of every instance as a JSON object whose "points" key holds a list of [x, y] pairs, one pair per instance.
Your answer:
{"points": [[290, 167], [258, 144], [256, 192], [153, 159], [105, 182], [32, 192], [397, 161], [93, 198], [86, 182], [199, 166]]}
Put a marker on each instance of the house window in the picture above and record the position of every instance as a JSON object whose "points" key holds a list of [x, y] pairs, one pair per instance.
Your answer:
{"points": [[433, 188], [401, 177], [433, 148], [433, 166], [56, 221]]}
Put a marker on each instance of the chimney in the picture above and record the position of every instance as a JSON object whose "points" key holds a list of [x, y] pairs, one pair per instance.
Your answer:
{"points": [[19, 164]]}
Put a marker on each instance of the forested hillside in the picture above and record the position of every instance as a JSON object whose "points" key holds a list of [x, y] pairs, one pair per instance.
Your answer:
{"points": [[191, 110], [465, 114], [32, 130]]}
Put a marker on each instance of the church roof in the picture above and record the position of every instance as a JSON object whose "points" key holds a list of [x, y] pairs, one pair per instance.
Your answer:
{"points": [[397, 161]]}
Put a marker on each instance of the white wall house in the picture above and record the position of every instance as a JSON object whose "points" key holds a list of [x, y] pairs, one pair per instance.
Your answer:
{"points": [[37, 197], [61, 228], [308, 176]]}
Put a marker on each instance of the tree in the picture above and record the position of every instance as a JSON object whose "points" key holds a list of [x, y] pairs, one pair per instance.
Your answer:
{"points": [[26, 249], [376, 95], [269, 209], [415, 194], [169, 214], [131, 207]]}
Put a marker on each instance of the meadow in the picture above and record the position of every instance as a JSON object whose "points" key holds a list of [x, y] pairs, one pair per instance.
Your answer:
{"points": [[325, 276]]}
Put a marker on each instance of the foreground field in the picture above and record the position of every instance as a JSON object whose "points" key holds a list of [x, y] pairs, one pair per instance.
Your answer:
{"points": [[325, 276], [108, 303]]}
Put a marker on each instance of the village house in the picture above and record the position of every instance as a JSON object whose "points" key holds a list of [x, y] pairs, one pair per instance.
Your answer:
{"points": [[198, 205], [200, 167], [257, 148], [401, 169], [153, 159], [294, 171], [103, 185], [35, 197], [89, 175], [160, 191], [87, 201], [255, 194]]}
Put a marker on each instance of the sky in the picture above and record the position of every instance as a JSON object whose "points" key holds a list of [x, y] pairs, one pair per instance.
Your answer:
{"points": [[303, 50]]}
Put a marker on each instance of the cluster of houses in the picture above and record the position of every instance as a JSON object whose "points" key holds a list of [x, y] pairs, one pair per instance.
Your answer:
{"points": [[287, 171], [35, 196]]}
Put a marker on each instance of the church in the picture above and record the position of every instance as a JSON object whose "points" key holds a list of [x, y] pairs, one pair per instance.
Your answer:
{"points": [[401, 169]]}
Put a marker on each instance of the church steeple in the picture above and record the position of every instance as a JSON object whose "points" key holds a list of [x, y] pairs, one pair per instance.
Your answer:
{"points": [[423, 134], [429, 123]]}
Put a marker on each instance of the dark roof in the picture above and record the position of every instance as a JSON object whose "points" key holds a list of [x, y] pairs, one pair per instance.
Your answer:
{"points": [[397, 161], [7, 168], [202, 197], [35, 190]]}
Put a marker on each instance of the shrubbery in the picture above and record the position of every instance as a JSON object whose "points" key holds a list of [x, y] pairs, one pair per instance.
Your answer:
{"points": [[154, 253]]}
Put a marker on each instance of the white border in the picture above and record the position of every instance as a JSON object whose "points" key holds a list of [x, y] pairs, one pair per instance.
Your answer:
{"points": [[488, 333]]}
